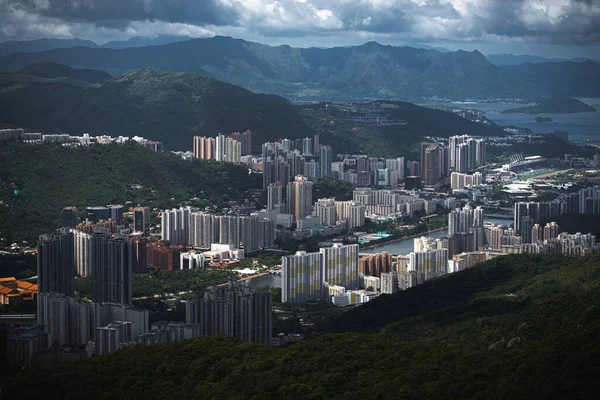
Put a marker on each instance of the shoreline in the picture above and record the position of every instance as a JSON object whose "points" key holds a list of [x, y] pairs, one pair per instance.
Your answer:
{"points": [[370, 246]]}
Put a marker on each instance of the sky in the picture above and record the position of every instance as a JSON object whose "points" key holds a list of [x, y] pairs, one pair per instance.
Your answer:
{"points": [[550, 28]]}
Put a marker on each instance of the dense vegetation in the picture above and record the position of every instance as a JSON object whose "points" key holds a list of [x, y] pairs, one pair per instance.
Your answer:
{"points": [[170, 107], [173, 107], [54, 70], [357, 73], [48, 178], [21, 266], [518, 326], [553, 105], [163, 282], [330, 188]]}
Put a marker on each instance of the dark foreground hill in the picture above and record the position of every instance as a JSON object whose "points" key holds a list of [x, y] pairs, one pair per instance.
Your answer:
{"points": [[173, 107], [517, 327], [49, 178]]}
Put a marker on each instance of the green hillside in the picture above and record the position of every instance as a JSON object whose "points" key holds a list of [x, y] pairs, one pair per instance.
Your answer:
{"points": [[517, 327], [54, 70], [50, 177], [173, 107], [170, 107]]}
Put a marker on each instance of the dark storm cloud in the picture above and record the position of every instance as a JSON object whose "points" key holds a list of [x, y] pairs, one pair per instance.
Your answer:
{"points": [[119, 12], [460, 21]]}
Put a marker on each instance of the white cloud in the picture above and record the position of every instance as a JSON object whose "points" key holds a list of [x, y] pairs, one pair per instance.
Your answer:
{"points": [[300, 21]]}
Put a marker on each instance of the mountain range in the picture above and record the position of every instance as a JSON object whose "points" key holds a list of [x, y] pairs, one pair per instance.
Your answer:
{"points": [[31, 46], [358, 73]]}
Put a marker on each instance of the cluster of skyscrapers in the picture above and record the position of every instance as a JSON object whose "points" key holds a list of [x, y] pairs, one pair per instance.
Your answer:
{"points": [[186, 226], [223, 148], [307, 276], [282, 161], [233, 310]]}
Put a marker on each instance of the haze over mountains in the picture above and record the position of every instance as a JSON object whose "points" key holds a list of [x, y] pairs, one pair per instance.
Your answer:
{"points": [[32, 46], [358, 73]]}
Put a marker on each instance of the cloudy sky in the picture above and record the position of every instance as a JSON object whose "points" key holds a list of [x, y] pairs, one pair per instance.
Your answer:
{"points": [[555, 28]]}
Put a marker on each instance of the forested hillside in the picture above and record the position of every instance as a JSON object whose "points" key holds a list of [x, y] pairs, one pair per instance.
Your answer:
{"points": [[173, 107], [518, 327], [47, 178]]}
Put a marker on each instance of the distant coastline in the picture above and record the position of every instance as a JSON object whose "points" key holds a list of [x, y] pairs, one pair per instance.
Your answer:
{"points": [[553, 105]]}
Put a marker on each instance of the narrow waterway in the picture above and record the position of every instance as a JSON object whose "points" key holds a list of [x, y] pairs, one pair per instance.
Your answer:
{"points": [[403, 246]]}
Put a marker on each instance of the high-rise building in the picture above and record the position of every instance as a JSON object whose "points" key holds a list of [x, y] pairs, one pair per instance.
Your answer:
{"points": [[480, 153], [249, 227], [108, 338], [83, 252], [462, 158], [233, 151], [68, 319], [537, 234], [267, 232], [175, 225], [236, 310], [431, 167], [550, 231], [105, 313], [459, 180], [414, 168], [389, 283], [307, 146], [316, 144], [496, 234], [56, 263], [141, 220], [430, 262], [466, 153], [220, 147], [204, 230], [229, 230], [111, 269], [312, 169], [204, 148], [116, 213], [340, 265], [461, 221], [302, 277], [526, 229], [325, 160], [299, 197], [453, 143], [245, 139], [274, 195], [375, 264], [68, 217], [140, 254], [326, 211], [351, 211]]}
